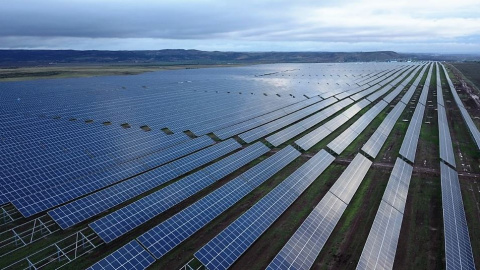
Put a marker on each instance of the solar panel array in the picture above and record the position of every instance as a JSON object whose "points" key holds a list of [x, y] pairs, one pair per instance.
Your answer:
{"points": [[380, 248], [133, 215], [465, 115], [168, 234], [225, 248], [86, 207], [374, 144], [47, 198], [409, 145], [381, 245], [306, 243], [458, 249], [53, 158], [340, 143], [131, 256], [446, 148], [266, 129]]}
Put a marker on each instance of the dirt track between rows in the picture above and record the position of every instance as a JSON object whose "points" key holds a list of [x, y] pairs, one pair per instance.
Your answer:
{"points": [[389, 166]]}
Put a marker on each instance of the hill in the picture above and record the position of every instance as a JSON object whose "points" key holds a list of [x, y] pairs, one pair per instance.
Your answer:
{"points": [[17, 58]]}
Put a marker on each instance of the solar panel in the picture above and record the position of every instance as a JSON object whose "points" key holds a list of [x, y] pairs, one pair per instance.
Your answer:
{"points": [[465, 115], [355, 108], [374, 144], [397, 187], [446, 148], [131, 256], [341, 142], [131, 216], [168, 234], [362, 123], [381, 245], [86, 207], [379, 250], [223, 250], [408, 95], [32, 179], [347, 184], [294, 130], [440, 100], [410, 141], [266, 129], [304, 246], [312, 138], [458, 250], [45, 199], [426, 86]]}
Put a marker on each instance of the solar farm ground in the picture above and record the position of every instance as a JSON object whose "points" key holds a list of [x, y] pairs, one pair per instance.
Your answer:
{"points": [[59, 155]]}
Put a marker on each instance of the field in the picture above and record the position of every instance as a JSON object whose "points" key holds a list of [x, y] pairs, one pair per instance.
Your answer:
{"points": [[59, 135], [71, 71]]}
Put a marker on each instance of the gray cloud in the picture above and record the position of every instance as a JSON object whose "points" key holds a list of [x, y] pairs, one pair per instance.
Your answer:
{"points": [[245, 25]]}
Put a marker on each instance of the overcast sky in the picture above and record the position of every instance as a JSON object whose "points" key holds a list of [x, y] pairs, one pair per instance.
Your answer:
{"points": [[440, 26]]}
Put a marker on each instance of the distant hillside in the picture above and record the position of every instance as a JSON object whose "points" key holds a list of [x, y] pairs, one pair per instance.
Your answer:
{"points": [[14, 58]]}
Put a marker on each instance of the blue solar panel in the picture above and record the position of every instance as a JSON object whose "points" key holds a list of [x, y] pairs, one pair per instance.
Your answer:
{"points": [[264, 130], [304, 246], [33, 179], [255, 122], [223, 250], [176, 229], [45, 199], [89, 206], [458, 249], [131, 256], [125, 219], [297, 128], [465, 115]]}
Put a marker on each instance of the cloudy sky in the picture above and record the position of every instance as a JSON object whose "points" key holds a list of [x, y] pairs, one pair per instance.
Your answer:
{"points": [[440, 26]]}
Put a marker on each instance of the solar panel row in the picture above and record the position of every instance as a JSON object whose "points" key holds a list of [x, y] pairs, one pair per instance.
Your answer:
{"points": [[131, 216], [284, 135], [297, 254], [380, 248], [306, 243], [37, 202], [263, 119], [458, 250], [225, 248], [131, 256], [89, 206], [409, 145], [446, 148], [30, 180], [340, 143], [465, 115], [374, 144], [97, 110], [273, 126], [168, 234]]}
